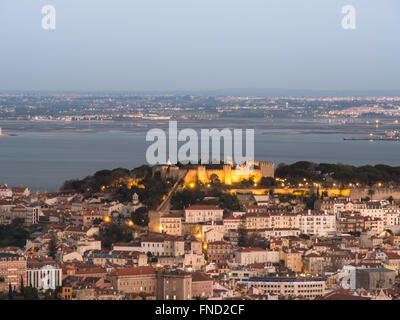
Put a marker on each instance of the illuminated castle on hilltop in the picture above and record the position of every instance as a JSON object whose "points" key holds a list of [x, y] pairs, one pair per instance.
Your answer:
{"points": [[226, 173]]}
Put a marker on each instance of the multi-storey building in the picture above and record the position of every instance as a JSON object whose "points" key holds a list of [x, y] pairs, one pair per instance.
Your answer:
{"points": [[202, 285], [316, 222], [174, 285], [232, 223], [171, 224], [12, 269], [351, 222], [392, 218], [164, 284], [212, 231], [219, 251], [314, 263], [104, 257], [250, 255], [43, 273], [375, 278], [5, 192], [134, 280], [279, 232], [203, 213], [255, 220], [292, 258], [273, 219], [19, 192], [32, 215], [282, 220], [89, 216], [309, 288], [172, 246]]}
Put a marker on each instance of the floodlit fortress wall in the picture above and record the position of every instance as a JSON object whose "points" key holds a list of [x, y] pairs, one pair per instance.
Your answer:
{"points": [[226, 173], [377, 193]]}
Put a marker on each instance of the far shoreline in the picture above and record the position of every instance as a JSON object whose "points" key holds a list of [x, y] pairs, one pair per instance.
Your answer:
{"points": [[8, 135]]}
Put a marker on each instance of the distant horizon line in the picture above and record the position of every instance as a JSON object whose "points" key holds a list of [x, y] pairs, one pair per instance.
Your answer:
{"points": [[268, 92]]}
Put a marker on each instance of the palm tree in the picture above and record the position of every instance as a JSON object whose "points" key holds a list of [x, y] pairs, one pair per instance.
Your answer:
{"points": [[371, 192], [10, 292]]}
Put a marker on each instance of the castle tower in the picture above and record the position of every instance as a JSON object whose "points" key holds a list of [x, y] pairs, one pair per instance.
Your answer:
{"points": [[227, 169], [163, 169], [135, 199], [202, 174], [267, 169]]}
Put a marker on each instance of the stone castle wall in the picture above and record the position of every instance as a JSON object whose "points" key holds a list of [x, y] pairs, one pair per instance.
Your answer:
{"points": [[379, 193], [227, 174]]}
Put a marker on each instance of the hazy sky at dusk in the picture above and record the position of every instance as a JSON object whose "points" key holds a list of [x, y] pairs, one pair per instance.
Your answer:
{"points": [[199, 44]]}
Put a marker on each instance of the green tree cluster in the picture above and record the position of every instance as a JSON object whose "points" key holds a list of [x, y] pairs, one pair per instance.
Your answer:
{"points": [[13, 235], [140, 217], [112, 233], [366, 175]]}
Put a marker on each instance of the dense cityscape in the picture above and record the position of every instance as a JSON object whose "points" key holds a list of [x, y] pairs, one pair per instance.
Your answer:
{"points": [[128, 106], [199, 159], [304, 231]]}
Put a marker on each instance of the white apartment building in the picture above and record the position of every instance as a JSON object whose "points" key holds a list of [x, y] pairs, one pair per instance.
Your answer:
{"points": [[262, 200], [5, 192], [32, 215], [392, 217], [203, 213], [339, 205], [192, 260], [389, 216], [108, 209], [171, 224], [163, 246], [212, 231], [232, 223], [279, 232], [245, 256], [46, 277], [308, 288], [257, 220], [316, 222], [282, 220], [86, 245], [278, 220]]}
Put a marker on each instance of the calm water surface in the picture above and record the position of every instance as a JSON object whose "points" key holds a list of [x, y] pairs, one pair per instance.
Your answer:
{"points": [[44, 159]]}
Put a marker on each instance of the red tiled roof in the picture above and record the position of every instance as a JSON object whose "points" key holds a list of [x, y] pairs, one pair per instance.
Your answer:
{"points": [[136, 271], [250, 249], [341, 294], [203, 207], [199, 276]]}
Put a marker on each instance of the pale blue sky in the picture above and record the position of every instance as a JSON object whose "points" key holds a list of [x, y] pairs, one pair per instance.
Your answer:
{"points": [[199, 45]]}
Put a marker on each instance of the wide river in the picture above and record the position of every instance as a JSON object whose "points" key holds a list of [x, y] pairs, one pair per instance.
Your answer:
{"points": [[42, 155]]}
